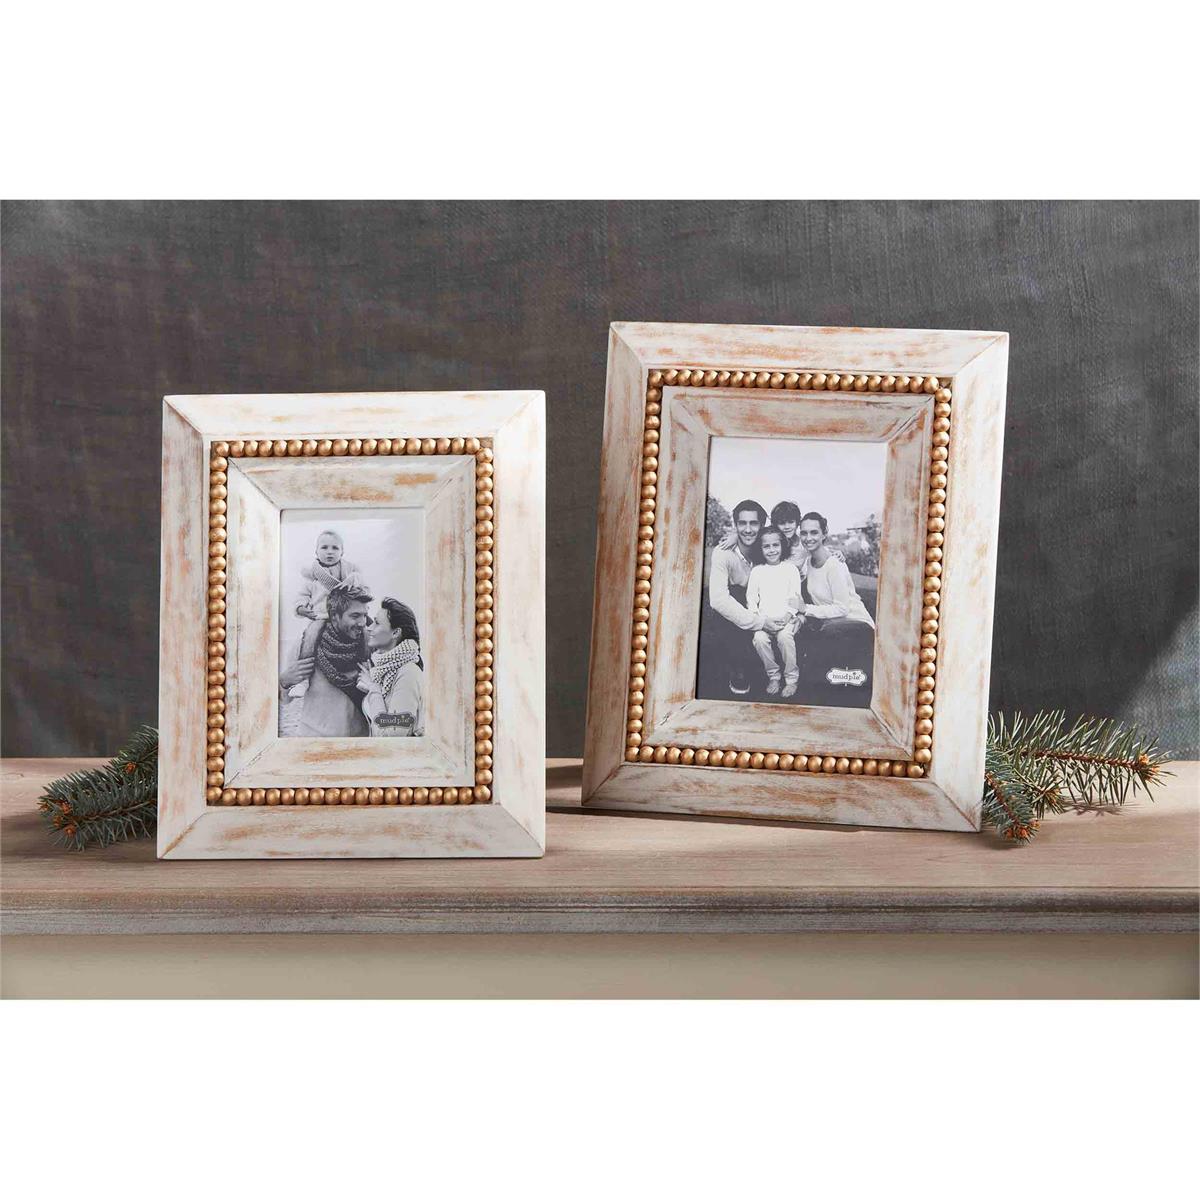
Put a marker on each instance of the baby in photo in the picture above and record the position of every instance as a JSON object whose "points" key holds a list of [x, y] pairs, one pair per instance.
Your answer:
{"points": [[773, 593], [329, 569]]}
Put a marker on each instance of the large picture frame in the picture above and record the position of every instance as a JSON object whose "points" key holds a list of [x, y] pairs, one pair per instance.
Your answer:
{"points": [[247, 768], [932, 403]]}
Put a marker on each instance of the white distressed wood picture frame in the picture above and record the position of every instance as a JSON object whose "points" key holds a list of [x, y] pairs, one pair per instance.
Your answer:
{"points": [[915, 757], [473, 463]]}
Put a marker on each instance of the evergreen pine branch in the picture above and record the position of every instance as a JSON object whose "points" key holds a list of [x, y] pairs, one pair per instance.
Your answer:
{"points": [[110, 803], [99, 807], [1040, 763]]}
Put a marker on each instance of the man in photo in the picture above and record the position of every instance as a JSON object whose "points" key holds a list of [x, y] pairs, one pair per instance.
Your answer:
{"points": [[332, 704]]}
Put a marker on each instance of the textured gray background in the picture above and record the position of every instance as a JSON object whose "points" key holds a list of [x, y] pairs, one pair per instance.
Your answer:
{"points": [[108, 306]]}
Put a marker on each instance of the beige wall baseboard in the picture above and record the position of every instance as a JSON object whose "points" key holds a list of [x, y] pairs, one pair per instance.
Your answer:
{"points": [[601, 966]]}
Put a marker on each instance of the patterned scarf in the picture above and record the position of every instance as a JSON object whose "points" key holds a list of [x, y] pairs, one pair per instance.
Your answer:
{"points": [[385, 667], [339, 657]]}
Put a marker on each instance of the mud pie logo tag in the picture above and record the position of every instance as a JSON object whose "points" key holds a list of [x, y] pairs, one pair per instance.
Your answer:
{"points": [[853, 677], [395, 720]]}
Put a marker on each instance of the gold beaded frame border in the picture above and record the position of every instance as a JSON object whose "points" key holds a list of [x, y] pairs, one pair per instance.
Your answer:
{"points": [[640, 751], [216, 793]]}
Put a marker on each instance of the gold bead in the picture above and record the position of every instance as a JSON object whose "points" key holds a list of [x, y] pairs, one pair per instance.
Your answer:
{"points": [[870, 767], [791, 380], [770, 762], [847, 383], [816, 762], [833, 382], [756, 760], [421, 795], [300, 795], [923, 755], [687, 756], [819, 380], [406, 795], [786, 761], [701, 758], [914, 770], [450, 794], [856, 766], [324, 447], [673, 754], [829, 764], [483, 794], [776, 379]]}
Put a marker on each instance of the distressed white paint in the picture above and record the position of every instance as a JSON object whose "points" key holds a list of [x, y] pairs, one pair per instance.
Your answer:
{"points": [[513, 824], [975, 365]]}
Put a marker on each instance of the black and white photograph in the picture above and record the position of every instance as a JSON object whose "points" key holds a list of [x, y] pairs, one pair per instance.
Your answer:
{"points": [[351, 589], [791, 571]]}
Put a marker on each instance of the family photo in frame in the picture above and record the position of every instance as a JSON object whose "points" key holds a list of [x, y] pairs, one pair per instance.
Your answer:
{"points": [[788, 613], [352, 659], [802, 630]]}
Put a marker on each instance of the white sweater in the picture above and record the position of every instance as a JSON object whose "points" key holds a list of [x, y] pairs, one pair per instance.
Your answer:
{"points": [[833, 594], [774, 591]]}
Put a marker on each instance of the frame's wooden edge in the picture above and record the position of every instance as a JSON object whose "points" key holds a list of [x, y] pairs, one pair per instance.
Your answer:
{"points": [[938, 352], [283, 414], [182, 619], [616, 530], [781, 796], [520, 616], [969, 582], [431, 831]]}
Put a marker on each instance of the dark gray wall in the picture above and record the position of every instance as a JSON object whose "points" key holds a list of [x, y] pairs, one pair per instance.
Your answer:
{"points": [[107, 306]]}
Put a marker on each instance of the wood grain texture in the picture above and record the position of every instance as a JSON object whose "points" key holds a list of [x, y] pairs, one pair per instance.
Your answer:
{"points": [[1134, 870], [948, 796], [620, 465], [512, 824]]}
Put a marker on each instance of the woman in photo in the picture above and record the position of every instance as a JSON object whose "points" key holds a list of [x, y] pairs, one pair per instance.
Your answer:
{"points": [[392, 682], [838, 629]]}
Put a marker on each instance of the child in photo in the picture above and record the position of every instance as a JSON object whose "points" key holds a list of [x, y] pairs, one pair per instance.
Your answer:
{"points": [[773, 593], [329, 569], [785, 516]]}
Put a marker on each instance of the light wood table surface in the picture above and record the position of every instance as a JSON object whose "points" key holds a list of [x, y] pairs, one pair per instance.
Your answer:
{"points": [[1120, 884]]}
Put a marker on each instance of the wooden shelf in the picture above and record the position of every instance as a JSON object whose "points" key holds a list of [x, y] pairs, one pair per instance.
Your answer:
{"points": [[1131, 871]]}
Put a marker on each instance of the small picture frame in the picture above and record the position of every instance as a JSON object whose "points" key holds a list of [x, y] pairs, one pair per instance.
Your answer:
{"points": [[352, 645], [795, 573]]}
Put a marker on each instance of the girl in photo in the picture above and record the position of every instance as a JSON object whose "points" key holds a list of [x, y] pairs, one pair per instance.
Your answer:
{"points": [[773, 593]]}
